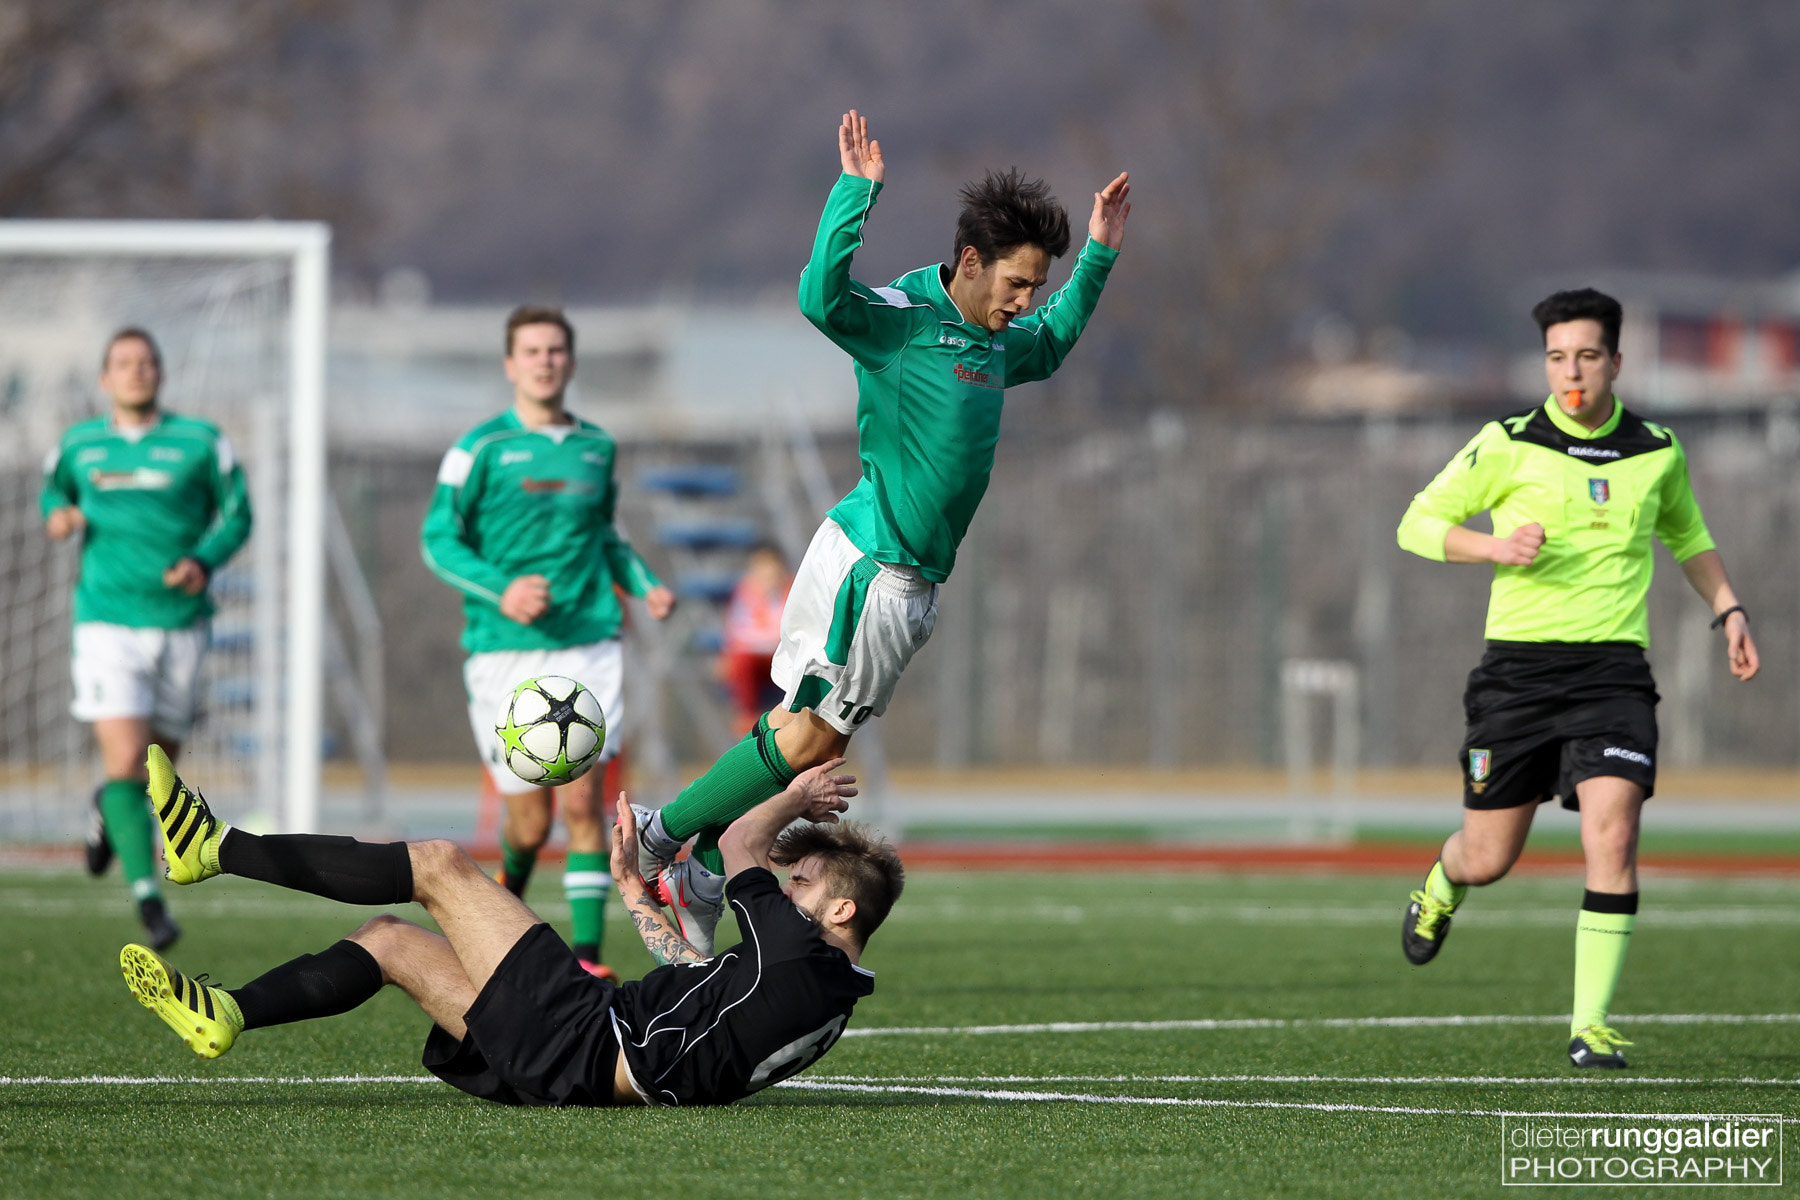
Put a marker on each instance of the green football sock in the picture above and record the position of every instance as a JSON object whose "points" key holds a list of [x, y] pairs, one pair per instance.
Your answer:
{"points": [[517, 865], [586, 884], [706, 852], [1439, 887], [125, 807], [745, 775], [1602, 935]]}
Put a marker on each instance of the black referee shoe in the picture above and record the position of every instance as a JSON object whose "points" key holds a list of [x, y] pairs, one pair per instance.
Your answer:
{"points": [[96, 843], [1426, 926]]}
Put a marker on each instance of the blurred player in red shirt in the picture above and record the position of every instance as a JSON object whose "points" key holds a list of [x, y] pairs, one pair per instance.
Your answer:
{"points": [[752, 632]]}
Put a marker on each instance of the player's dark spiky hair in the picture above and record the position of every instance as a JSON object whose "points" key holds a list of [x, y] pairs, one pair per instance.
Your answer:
{"points": [[1583, 304], [859, 865], [132, 333], [537, 314], [1003, 211]]}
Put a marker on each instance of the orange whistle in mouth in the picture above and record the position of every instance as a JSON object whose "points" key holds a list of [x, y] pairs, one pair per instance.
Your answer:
{"points": [[1572, 400]]}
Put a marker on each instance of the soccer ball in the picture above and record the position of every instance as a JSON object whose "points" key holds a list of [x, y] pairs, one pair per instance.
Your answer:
{"points": [[551, 730]]}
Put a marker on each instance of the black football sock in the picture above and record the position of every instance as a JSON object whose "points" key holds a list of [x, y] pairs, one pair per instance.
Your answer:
{"points": [[333, 981], [337, 868]]}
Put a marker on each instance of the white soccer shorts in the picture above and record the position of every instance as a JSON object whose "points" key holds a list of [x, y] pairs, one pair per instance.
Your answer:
{"points": [[850, 627], [125, 671], [488, 679]]}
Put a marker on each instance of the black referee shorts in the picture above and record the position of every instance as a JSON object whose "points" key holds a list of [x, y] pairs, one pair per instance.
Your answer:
{"points": [[1543, 716], [540, 1032]]}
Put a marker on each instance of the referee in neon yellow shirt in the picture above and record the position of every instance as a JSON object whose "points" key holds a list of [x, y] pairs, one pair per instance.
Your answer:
{"points": [[1563, 704]]}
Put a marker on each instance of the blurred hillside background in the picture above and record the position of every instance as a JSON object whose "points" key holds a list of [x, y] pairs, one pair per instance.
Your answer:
{"points": [[1342, 214]]}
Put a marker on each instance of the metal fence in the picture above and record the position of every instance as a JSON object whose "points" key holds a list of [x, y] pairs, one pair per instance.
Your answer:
{"points": [[1129, 595]]}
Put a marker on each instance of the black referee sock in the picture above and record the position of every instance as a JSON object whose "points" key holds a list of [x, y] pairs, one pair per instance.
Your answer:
{"points": [[333, 981], [337, 868]]}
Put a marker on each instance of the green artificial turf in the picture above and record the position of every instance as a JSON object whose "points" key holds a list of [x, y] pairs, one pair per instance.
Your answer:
{"points": [[962, 950]]}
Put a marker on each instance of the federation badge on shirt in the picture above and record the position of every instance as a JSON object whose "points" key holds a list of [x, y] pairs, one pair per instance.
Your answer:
{"points": [[1599, 491]]}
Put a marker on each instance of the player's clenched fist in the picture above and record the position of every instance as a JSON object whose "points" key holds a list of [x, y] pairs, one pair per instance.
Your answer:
{"points": [[1520, 547]]}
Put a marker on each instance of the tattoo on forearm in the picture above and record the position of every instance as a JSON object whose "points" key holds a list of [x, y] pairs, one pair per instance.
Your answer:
{"points": [[661, 938]]}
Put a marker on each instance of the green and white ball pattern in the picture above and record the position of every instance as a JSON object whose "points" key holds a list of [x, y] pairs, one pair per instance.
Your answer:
{"points": [[551, 730]]}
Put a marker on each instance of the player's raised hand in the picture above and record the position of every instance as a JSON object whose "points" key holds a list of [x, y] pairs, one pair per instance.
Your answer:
{"points": [[624, 843], [1112, 204], [1520, 547], [825, 794], [858, 155]]}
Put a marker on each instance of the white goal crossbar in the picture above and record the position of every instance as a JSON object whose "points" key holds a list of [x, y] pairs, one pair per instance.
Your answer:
{"points": [[307, 247]]}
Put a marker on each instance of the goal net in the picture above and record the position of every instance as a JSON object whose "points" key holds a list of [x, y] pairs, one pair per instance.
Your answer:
{"points": [[238, 312]]}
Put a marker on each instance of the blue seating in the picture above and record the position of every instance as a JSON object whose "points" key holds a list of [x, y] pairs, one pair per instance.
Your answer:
{"points": [[709, 535], [693, 479]]}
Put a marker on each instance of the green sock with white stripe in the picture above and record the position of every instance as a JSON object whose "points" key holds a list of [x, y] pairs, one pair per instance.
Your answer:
{"points": [[587, 885], [745, 775], [125, 807]]}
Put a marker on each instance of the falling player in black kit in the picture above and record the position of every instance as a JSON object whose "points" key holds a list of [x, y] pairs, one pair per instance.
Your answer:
{"points": [[517, 1020]]}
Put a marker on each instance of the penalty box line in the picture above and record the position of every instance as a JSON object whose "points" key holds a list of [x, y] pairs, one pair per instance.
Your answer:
{"points": [[1229, 1023]]}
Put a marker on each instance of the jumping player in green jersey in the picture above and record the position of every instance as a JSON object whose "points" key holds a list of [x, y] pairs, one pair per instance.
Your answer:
{"points": [[933, 353], [521, 524], [159, 503], [1563, 703]]}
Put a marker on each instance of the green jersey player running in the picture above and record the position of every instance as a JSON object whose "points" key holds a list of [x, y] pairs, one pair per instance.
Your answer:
{"points": [[159, 503], [933, 353], [521, 523], [1563, 704]]}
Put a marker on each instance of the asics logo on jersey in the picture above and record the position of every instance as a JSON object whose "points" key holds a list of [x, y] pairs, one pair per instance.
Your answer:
{"points": [[971, 376], [945, 339], [508, 457], [1642, 760], [167, 454], [1593, 452], [92, 454]]}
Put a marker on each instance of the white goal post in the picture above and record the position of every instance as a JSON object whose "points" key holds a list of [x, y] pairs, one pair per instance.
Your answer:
{"points": [[305, 247]]}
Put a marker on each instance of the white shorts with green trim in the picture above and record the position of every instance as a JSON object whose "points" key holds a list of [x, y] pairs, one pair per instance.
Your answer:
{"points": [[850, 626], [126, 671], [489, 678]]}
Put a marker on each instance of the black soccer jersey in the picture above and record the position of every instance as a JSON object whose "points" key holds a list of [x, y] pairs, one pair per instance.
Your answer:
{"points": [[714, 1032]]}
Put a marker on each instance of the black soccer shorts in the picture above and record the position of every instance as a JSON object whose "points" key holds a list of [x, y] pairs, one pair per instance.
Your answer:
{"points": [[540, 1032], [1543, 717]]}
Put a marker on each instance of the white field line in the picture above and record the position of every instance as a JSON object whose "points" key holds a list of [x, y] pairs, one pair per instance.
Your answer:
{"points": [[1589, 1079], [909, 1089], [1342, 916], [81, 1080], [1205, 1102], [1209, 1023]]}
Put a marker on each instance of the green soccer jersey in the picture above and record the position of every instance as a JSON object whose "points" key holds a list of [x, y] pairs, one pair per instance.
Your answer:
{"points": [[929, 384], [152, 495], [1600, 496], [513, 501]]}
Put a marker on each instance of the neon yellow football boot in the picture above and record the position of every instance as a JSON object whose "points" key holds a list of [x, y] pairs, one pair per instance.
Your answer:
{"points": [[207, 1018], [191, 834]]}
